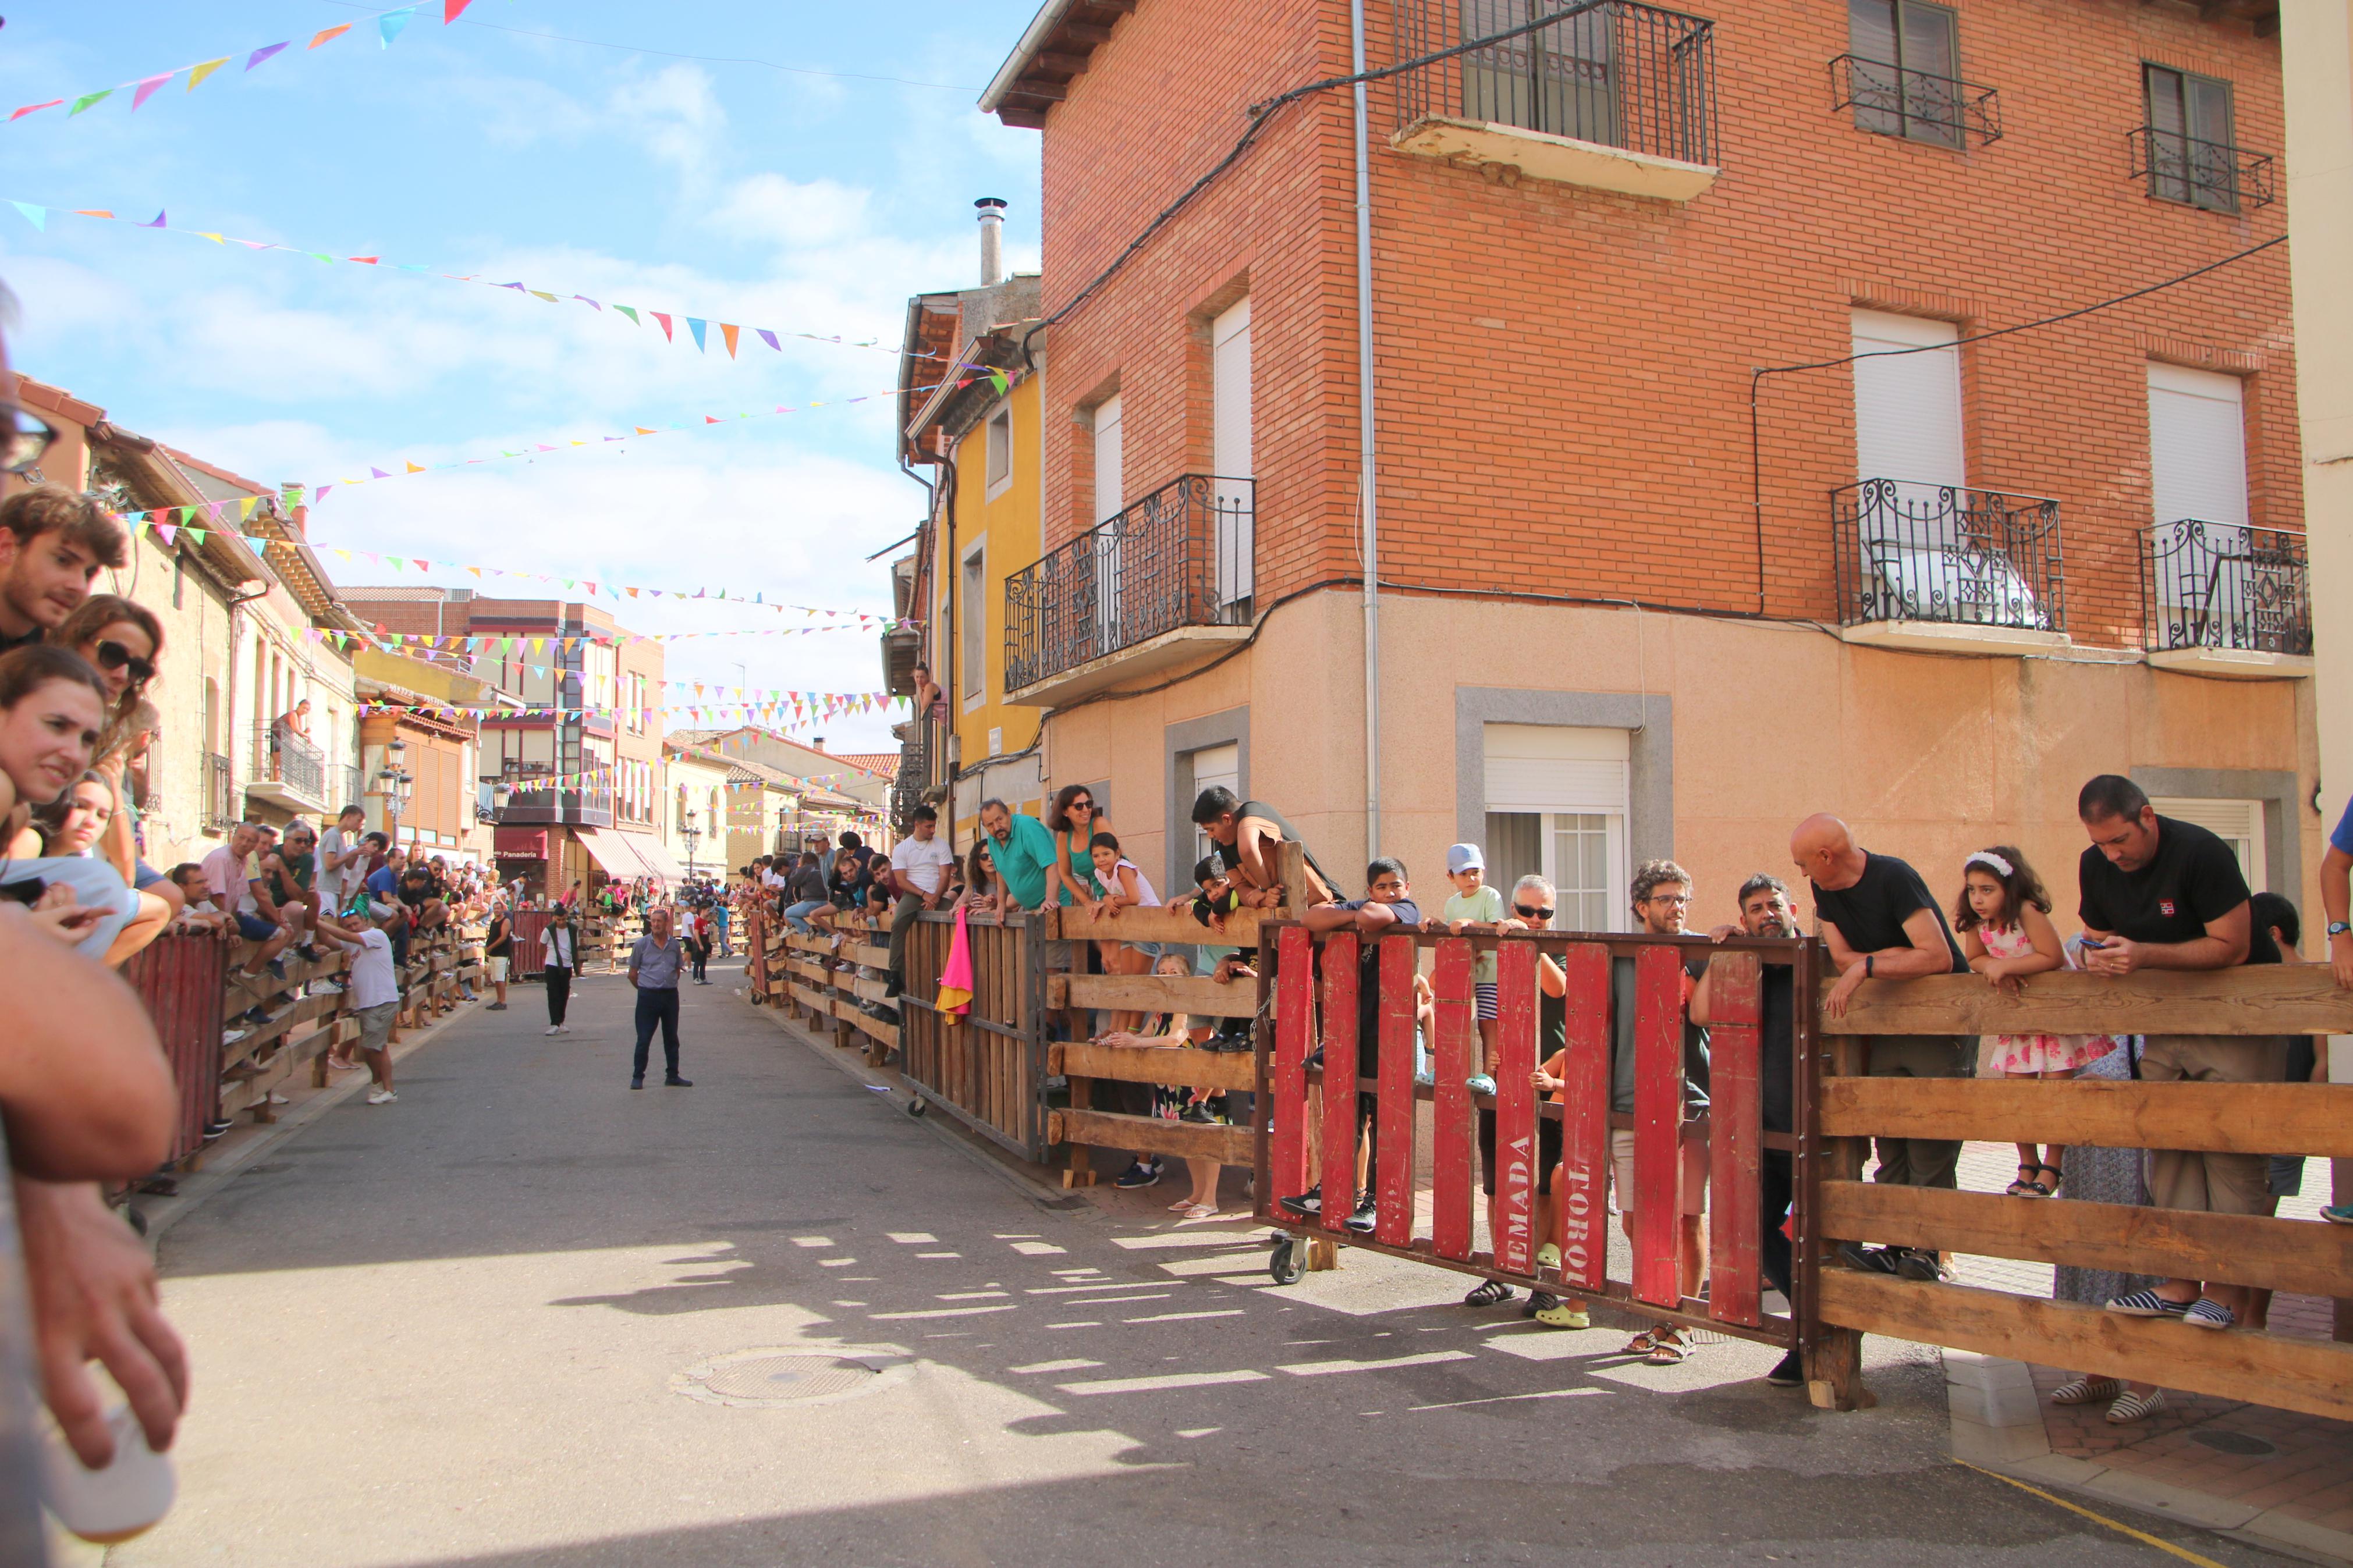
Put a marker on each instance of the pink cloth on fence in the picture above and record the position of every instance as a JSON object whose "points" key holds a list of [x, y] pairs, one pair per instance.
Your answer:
{"points": [[955, 980]]}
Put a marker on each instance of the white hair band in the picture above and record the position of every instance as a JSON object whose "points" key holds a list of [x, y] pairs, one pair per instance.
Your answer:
{"points": [[1991, 861]]}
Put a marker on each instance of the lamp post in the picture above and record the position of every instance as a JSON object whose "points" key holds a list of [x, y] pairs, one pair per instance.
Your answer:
{"points": [[395, 781], [693, 836]]}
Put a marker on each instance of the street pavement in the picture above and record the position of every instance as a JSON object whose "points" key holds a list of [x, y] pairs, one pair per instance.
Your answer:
{"points": [[525, 1316]]}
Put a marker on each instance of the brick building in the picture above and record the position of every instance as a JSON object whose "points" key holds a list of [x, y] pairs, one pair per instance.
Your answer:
{"points": [[1934, 590]]}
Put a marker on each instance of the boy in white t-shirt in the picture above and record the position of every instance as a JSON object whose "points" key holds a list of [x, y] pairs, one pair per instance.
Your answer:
{"points": [[1474, 906], [375, 996]]}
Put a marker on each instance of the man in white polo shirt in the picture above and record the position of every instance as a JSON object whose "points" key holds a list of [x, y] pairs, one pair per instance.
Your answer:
{"points": [[375, 995], [919, 872]]}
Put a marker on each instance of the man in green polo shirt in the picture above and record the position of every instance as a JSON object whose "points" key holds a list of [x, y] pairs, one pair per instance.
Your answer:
{"points": [[1022, 848]]}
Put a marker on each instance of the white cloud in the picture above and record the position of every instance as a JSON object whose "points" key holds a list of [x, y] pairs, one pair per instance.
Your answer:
{"points": [[795, 215]]}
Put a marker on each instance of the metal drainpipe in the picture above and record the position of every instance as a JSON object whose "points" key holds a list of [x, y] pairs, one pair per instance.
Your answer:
{"points": [[1364, 436]]}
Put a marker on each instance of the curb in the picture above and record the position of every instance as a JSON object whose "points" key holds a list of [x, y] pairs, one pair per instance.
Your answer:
{"points": [[1997, 1424]]}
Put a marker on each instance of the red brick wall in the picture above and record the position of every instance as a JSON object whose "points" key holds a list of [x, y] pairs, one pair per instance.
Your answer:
{"points": [[1564, 374]]}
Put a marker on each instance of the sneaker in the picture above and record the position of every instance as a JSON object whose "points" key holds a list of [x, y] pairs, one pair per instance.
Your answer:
{"points": [[231, 1037], [1138, 1174], [637, 1083], [1870, 1259], [1363, 1217], [1197, 1112], [276, 966], [1789, 1372], [381, 1096], [1307, 1204], [2338, 1214], [2208, 1313], [278, 1099], [562, 1028], [1480, 1083], [675, 1081], [496, 1008], [1425, 1081], [2148, 1304], [552, 1029], [307, 953]]}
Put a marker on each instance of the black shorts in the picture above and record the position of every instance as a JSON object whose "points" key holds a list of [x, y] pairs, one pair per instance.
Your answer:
{"points": [[1548, 1151]]}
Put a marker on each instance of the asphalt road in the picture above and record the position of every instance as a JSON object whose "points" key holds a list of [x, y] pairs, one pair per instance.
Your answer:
{"points": [[503, 1323]]}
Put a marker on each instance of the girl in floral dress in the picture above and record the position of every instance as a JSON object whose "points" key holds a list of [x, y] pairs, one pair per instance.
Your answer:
{"points": [[2004, 916]]}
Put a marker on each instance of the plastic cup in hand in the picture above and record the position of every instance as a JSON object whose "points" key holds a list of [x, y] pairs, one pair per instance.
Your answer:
{"points": [[125, 1499]]}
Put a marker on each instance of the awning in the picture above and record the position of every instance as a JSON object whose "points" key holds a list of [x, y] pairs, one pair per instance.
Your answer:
{"points": [[654, 853], [521, 843], [611, 850]]}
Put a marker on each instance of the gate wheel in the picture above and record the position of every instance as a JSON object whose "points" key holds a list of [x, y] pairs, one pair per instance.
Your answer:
{"points": [[917, 1105], [1289, 1264]]}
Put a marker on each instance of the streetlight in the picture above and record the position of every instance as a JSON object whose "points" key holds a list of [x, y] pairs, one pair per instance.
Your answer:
{"points": [[394, 780], [693, 836]]}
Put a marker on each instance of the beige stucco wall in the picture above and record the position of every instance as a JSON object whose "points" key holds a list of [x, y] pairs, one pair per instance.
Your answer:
{"points": [[1928, 756]]}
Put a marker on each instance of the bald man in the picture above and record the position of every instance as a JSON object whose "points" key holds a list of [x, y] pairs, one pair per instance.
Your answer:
{"points": [[1880, 923]]}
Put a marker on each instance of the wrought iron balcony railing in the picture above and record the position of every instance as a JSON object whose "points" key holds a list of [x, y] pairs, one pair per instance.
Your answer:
{"points": [[283, 757], [1946, 554], [222, 808], [2210, 174], [1919, 105], [1185, 555], [532, 799], [909, 785], [1621, 75], [2224, 586]]}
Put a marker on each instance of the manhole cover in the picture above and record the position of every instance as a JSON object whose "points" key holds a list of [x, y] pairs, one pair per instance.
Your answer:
{"points": [[778, 1376], [2233, 1443]]}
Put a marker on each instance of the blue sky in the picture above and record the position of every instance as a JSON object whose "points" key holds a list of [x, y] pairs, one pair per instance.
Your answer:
{"points": [[732, 190]]}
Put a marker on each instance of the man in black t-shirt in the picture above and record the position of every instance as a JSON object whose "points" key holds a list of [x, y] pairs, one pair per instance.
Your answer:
{"points": [[1246, 833], [1881, 922], [2161, 894]]}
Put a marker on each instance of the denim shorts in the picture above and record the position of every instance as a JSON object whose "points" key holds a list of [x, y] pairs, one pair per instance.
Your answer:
{"points": [[255, 928]]}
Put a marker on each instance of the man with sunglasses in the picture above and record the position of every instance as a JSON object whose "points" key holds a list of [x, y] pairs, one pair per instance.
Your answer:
{"points": [[52, 544]]}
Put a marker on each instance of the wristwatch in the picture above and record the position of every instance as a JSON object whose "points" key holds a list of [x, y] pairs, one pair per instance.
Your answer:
{"points": [[2338, 928]]}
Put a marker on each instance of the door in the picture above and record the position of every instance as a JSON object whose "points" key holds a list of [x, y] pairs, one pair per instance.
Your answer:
{"points": [[2200, 553], [1230, 452], [1110, 500], [1910, 460]]}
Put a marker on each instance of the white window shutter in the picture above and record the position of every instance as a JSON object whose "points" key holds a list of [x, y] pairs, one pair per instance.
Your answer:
{"points": [[1907, 407]]}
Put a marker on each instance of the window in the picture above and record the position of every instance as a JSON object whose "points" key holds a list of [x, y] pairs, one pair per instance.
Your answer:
{"points": [[1213, 767], [2197, 445], [1906, 69], [1000, 450], [971, 648], [1110, 500], [2191, 156], [1229, 449], [179, 576], [1108, 492], [2237, 823], [1907, 405], [1556, 807]]}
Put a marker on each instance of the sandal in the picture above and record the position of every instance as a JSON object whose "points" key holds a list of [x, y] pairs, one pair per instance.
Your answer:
{"points": [[1667, 1349], [1641, 1344], [2026, 1187], [1200, 1211], [1180, 1205], [2087, 1390], [2058, 1178], [1488, 1293]]}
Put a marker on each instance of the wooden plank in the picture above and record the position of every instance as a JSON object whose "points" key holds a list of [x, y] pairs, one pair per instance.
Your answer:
{"points": [[1166, 923], [814, 1000], [1394, 1113], [2225, 1118], [2307, 1256], [1658, 1125], [1453, 1146], [1183, 1067], [849, 1014], [1185, 1140], [1194, 995], [1513, 1212], [1582, 1183], [1295, 980], [2314, 1376], [1340, 1028], [1736, 1120], [2260, 999], [864, 990], [866, 953]]}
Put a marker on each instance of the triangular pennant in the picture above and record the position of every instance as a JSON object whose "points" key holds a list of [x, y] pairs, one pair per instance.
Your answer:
{"points": [[415, 468], [769, 338], [198, 72], [643, 431], [631, 311], [378, 473], [261, 53], [668, 336], [392, 24], [698, 326], [158, 223], [35, 109], [366, 260], [327, 34], [38, 216], [87, 98], [452, 9], [146, 88], [727, 332]]}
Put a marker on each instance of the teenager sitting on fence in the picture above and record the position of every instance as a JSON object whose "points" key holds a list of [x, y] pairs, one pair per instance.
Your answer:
{"points": [[2162, 894], [2004, 916]]}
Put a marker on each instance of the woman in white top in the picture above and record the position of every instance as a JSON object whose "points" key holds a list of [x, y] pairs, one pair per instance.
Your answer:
{"points": [[559, 960], [1124, 887]]}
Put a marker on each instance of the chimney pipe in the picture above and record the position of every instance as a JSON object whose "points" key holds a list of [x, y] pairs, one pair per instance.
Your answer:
{"points": [[992, 239]]}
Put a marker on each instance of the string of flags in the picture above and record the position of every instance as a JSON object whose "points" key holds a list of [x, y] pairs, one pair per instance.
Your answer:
{"points": [[389, 25], [699, 329], [802, 705], [499, 645]]}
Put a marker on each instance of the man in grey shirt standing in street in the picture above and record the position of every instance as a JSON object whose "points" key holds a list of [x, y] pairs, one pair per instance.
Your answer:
{"points": [[653, 970]]}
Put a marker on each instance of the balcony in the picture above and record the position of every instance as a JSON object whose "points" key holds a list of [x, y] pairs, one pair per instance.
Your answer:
{"points": [[1947, 569], [2226, 599], [532, 801], [1919, 106], [288, 771], [2210, 174], [221, 811], [1621, 97], [914, 779], [1162, 582]]}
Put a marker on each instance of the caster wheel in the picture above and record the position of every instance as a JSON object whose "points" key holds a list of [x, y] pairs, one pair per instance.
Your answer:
{"points": [[918, 1106], [1289, 1263], [138, 1220]]}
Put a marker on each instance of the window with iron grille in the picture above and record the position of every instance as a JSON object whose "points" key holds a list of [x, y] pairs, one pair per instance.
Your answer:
{"points": [[1904, 70], [2190, 155]]}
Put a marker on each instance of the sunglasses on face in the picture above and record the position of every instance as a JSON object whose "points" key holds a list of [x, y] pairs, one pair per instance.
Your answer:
{"points": [[23, 439], [1531, 912], [114, 656], [1082, 803]]}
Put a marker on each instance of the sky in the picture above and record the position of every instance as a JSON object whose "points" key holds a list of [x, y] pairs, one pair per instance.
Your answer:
{"points": [[764, 183]]}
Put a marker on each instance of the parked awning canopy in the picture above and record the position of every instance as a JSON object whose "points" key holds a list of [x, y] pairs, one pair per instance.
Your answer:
{"points": [[653, 853], [611, 850]]}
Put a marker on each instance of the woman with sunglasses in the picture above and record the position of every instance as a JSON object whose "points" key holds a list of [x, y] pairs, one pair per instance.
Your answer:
{"points": [[51, 710], [123, 640]]}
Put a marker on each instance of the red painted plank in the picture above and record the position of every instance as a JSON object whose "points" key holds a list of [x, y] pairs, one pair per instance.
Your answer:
{"points": [[1339, 1172], [1393, 1180], [181, 980], [1515, 1109], [1736, 1129], [1454, 1144], [1294, 981], [1583, 1182], [1658, 1122]]}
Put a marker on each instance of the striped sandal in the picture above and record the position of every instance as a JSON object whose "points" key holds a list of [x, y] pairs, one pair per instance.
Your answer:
{"points": [[2131, 1406], [2087, 1390]]}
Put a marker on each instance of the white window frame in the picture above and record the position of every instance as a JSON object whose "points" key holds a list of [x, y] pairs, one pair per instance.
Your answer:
{"points": [[2217, 814], [972, 624], [1568, 774], [997, 456]]}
